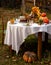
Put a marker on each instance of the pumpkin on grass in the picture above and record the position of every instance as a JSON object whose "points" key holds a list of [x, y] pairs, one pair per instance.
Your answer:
{"points": [[29, 56]]}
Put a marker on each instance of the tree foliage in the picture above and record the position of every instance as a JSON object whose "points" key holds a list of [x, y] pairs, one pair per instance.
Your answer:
{"points": [[11, 3]]}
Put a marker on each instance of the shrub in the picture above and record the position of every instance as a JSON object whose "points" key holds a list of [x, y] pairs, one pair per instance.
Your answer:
{"points": [[30, 44]]}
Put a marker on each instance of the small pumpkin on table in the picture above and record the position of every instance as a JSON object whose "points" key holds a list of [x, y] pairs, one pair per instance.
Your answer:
{"points": [[44, 18]]}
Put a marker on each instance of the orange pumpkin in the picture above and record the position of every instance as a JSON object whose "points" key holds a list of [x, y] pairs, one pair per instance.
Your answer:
{"points": [[29, 56], [29, 59], [43, 14], [25, 57], [46, 20]]}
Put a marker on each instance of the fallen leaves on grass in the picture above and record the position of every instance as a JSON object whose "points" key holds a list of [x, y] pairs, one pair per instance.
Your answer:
{"points": [[14, 58]]}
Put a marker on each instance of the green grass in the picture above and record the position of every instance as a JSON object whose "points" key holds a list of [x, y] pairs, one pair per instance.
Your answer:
{"points": [[6, 58]]}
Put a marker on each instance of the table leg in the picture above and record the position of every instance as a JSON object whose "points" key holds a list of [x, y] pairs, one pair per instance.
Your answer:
{"points": [[39, 51], [46, 38]]}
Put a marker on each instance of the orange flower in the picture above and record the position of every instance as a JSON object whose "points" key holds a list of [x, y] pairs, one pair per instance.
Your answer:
{"points": [[36, 10]]}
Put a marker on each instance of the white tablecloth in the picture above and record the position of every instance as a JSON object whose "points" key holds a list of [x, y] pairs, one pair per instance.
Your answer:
{"points": [[16, 33]]}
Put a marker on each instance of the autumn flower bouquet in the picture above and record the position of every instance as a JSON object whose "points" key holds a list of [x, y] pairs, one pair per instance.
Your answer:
{"points": [[39, 17], [35, 13]]}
